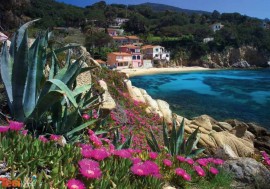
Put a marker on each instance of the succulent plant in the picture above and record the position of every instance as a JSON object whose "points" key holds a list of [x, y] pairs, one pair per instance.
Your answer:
{"points": [[175, 143]]}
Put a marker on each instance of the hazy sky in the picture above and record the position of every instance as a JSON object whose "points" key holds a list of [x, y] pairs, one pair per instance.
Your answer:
{"points": [[255, 8]]}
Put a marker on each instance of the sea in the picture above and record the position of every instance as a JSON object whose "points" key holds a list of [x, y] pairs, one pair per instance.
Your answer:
{"points": [[221, 94]]}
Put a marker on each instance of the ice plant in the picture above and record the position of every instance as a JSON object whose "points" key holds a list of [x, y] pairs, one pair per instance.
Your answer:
{"points": [[167, 162], [99, 154], [181, 158], [189, 161], [94, 139], [186, 177], [90, 169], [153, 155], [139, 169], [180, 171], [75, 184], [4, 129], [213, 170], [42, 138], [15, 126], [199, 171], [86, 116], [55, 137], [203, 162], [123, 153]]}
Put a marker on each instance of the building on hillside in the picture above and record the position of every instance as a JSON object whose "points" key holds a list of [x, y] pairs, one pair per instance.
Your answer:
{"points": [[216, 26], [155, 52], [208, 39], [135, 51], [119, 59], [265, 25], [115, 32], [101, 62], [118, 22], [124, 40]]}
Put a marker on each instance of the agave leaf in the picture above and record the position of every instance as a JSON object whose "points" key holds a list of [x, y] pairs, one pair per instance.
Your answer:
{"points": [[46, 102], [190, 141], [81, 89], [6, 64], [173, 140], [180, 137], [21, 32], [79, 128], [126, 144], [99, 132], [56, 113], [68, 62], [166, 135], [154, 140], [30, 92], [19, 74], [196, 152], [65, 89], [54, 66], [152, 145]]}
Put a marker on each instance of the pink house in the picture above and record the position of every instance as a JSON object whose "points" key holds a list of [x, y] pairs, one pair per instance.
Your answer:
{"points": [[135, 52]]}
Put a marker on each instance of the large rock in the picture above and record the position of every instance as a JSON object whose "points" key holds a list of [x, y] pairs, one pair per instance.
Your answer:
{"points": [[204, 121], [134, 92], [241, 64], [164, 107], [108, 102], [248, 172]]}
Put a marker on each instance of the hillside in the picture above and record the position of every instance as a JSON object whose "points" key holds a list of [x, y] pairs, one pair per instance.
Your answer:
{"points": [[162, 7]]}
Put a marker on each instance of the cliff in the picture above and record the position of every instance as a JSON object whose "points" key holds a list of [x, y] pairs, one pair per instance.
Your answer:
{"points": [[11, 13]]}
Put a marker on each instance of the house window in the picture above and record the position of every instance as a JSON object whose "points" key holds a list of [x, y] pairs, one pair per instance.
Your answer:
{"points": [[156, 55], [156, 50], [137, 50], [119, 57], [138, 57], [167, 55], [133, 57]]}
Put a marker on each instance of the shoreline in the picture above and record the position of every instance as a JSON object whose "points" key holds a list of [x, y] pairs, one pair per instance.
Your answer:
{"points": [[131, 72]]}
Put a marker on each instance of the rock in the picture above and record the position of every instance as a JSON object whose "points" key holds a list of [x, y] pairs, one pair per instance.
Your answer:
{"points": [[263, 145], [225, 153], [134, 92], [164, 107], [204, 121], [241, 147], [239, 130], [257, 130], [248, 171], [224, 125], [217, 128], [241, 64], [108, 102], [235, 122], [84, 78], [153, 105]]}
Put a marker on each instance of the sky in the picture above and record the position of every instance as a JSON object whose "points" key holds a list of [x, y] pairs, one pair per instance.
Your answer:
{"points": [[253, 8]]}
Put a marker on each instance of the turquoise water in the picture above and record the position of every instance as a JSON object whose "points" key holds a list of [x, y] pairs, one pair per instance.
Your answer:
{"points": [[226, 94]]}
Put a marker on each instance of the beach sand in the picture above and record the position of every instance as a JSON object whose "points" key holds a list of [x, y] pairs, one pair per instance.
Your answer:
{"points": [[149, 71]]}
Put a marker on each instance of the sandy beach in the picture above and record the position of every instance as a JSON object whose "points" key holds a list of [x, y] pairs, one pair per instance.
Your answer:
{"points": [[149, 71]]}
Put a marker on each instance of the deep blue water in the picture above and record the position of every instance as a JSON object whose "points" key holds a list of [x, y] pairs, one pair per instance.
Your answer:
{"points": [[225, 94]]}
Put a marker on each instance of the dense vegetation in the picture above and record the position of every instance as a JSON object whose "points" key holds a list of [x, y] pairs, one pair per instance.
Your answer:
{"points": [[180, 31]]}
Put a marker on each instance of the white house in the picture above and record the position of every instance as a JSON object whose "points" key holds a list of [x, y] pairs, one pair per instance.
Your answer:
{"points": [[155, 52], [217, 26]]}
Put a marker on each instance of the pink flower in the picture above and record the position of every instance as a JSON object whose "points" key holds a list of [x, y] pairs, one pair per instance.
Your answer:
{"points": [[24, 132], [139, 169], [86, 116], [167, 162], [190, 161], [152, 167], [218, 161], [15, 126], [153, 155], [99, 154], [86, 151], [75, 184], [202, 162], [180, 171], [90, 132], [181, 158], [199, 171], [186, 177], [90, 169], [135, 160], [213, 170], [42, 138], [4, 129], [55, 137], [123, 153], [96, 141]]}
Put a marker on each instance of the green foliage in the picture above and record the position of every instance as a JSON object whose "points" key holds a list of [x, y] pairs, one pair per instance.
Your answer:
{"points": [[50, 103], [175, 143], [27, 157]]}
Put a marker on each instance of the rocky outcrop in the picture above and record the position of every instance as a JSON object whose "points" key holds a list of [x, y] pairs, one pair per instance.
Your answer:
{"points": [[243, 57], [108, 102], [248, 173]]}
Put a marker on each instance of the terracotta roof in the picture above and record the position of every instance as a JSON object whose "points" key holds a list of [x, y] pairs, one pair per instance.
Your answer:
{"points": [[119, 37], [130, 46], [132, 37], [121, 54], [100, 61], [147, 47]]}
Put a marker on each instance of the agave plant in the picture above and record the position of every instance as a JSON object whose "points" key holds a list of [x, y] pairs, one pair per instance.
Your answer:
{"points": [[175, 143], [50, 103], [117, 140]]}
